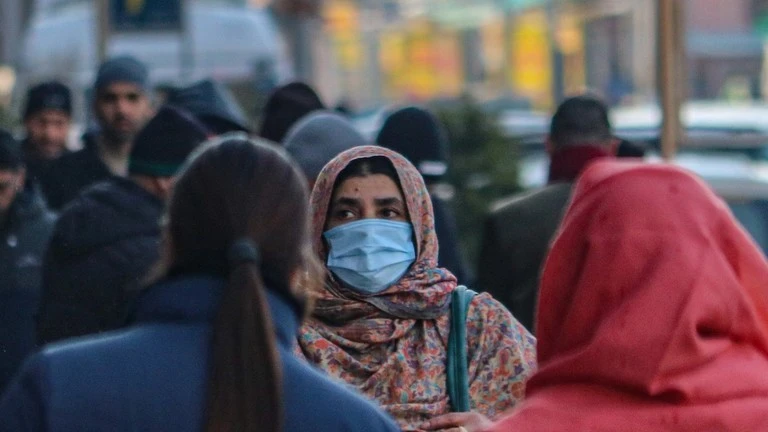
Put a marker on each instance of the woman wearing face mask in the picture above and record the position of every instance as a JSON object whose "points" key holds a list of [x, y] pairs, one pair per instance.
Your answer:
{"points": [[211, 347], [382, 322]]}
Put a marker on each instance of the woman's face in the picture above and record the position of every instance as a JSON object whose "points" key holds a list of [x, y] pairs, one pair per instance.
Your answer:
{"points": [[375, 196]]}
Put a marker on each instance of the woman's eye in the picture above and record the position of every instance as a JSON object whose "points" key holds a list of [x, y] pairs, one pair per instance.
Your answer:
{"points": [[390, 213], [344, 214]]}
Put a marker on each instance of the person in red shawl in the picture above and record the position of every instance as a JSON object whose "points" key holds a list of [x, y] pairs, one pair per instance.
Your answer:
{"points": [[382, 322], [653, 312]]}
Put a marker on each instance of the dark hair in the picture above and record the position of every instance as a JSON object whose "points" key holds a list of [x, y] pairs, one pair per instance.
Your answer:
{"points": [[580, 120], [419, 136], [368, 166], [285, 106], [10, 154], [48, 95], [236, 189]]}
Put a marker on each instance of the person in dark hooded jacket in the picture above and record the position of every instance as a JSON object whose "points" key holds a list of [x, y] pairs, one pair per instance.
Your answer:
{"points": [[25, 228], [107, 239], [285, 106], [318, 138], [416, 134], [212, 104]]}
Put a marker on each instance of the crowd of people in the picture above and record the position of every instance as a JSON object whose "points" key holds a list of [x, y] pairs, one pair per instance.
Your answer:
{"points": [[183, 272]]}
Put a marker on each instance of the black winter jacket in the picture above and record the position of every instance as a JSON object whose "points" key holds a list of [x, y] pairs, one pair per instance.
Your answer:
{"points": [[105, 242], [73, 172], [23, 240]]}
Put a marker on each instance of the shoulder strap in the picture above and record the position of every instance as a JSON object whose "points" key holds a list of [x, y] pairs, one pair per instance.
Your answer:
{"points": [[458, 372]]}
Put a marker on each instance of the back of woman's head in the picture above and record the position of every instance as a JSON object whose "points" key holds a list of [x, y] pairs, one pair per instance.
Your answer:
{"points": [[239, 210], [652, 286]]}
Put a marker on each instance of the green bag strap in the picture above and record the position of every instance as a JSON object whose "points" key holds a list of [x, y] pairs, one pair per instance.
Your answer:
{"points": [[458, 372]]}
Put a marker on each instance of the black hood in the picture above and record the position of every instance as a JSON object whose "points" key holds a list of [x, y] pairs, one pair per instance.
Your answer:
{"points": [[212, 104], [418, 135], [106, 213]]}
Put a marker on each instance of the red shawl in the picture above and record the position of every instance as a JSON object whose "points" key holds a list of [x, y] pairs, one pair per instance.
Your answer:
{"points": [[653, 312]]}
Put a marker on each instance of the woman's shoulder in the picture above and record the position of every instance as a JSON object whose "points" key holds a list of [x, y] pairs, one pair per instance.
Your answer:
{"points": [[318, 403], [485, 308], [487, 315]]}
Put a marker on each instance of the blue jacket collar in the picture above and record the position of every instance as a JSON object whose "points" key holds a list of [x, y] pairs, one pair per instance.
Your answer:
{"points": [[196, 298]]}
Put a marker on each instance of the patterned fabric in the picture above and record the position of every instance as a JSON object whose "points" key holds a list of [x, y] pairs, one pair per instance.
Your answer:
{"points": [[392, 346]]}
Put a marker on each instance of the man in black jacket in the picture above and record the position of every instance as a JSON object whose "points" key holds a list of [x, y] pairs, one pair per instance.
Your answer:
{"points": [[519, 229], [25, 228], [47, 121], [107, 239], [122, 106]]}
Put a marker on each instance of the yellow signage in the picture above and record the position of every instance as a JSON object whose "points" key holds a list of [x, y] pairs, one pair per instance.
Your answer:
{"points": [[134, 7], [531, 68]]}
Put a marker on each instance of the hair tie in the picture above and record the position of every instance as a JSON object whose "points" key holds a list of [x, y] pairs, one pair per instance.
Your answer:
{"points": [[243, 251]]}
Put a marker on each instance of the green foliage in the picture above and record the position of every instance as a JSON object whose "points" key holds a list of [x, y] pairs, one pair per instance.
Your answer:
{"points": [[7, 120], [484, 167]]}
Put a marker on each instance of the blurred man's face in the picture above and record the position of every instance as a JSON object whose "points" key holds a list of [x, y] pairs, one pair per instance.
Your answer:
{"points": [[11, 182], [122, 109], [47, 132]]}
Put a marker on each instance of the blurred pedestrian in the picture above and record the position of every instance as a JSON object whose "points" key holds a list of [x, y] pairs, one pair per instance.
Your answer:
{"points": [[47, 122], [416, 134], [211, 346], [653, 312], [318, 138], [122, 106], [519, 229], [212, 104], [25, 227], [383, 318], [107, 238], [285, 106], [630, 149]]}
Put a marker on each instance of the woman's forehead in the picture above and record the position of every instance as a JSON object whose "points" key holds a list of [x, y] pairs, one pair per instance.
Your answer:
{"points": [[370, 186]]}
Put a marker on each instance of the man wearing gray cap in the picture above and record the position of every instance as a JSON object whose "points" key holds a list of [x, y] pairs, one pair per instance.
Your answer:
{"points": [[122, 106]]}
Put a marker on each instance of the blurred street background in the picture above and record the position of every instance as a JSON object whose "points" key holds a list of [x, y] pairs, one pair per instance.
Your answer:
{"points": [[522, 54], [492, 69]]}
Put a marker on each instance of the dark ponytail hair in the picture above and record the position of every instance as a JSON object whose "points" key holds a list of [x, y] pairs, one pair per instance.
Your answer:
{"points": [[239, 193]]}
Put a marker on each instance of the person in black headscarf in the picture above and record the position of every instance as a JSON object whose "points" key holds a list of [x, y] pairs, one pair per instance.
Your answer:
{"points": [[416, 134], [212, 104], [285, 106]]}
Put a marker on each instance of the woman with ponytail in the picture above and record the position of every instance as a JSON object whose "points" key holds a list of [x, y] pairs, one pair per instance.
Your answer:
{"points": [[210, 348]]}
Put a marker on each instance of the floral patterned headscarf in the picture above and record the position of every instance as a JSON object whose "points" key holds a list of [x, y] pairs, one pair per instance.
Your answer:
{"points": [[424, 291], [393, 346]]}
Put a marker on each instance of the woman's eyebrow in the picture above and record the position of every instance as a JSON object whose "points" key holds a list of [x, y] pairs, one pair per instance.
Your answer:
{"points": [[382, 202], [346, 201]]}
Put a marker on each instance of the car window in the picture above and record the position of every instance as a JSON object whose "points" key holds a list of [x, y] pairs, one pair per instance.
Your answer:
{"points": [[754, 216]]}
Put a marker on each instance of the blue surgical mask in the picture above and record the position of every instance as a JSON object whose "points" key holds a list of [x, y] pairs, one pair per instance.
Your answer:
{"points": [[370, 255]]}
